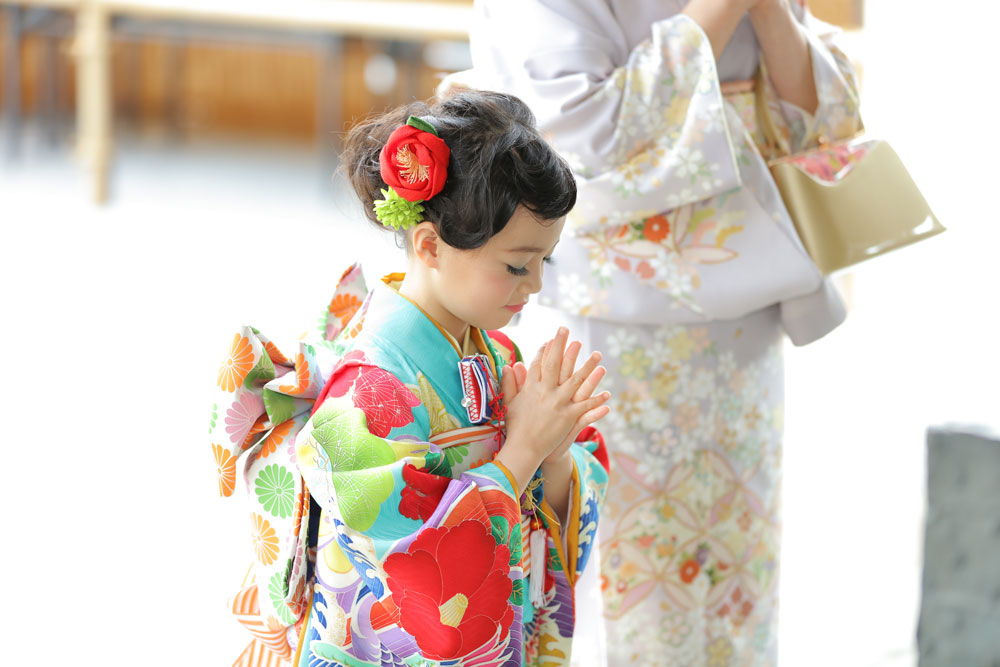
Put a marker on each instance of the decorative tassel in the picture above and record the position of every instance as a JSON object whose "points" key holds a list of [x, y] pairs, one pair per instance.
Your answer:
{"points": [[537, 543], [479, 389]]}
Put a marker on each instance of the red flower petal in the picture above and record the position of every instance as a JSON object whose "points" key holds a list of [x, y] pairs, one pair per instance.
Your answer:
{"points": [[428, 540], [491, 598], [476, 631], [386, 402], [505, 622], [423, 155], [419, 616], [465, 556], [441, 563], [342, 377], [430, 151], [501, 560], [422, 493], [341, 381], [416, 571]]}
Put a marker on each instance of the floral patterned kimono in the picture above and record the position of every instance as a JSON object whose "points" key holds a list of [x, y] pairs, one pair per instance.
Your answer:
{"points": [[682, 266], [414, 548]]}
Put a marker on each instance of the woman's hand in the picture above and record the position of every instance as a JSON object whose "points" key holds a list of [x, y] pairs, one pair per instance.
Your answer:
{"points": [[785, 49], [718, 19]]}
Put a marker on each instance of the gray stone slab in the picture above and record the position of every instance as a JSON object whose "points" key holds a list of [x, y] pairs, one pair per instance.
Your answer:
{"points": [[960, 605]]}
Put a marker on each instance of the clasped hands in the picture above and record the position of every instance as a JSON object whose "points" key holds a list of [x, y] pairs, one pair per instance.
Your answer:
{"points": [[549, 403]]}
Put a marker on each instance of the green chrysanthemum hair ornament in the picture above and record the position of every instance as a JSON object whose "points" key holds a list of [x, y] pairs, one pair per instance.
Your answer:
{"points": [[414, 166], [396, 212]]}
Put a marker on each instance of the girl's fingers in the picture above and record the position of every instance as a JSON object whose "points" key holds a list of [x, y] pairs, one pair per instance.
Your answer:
{"points": [[583, 373], [569, 360], [520, 374], [585, 406], [535, 370], [508, 383], [589, 385], [552, 359], [585, 420], [594, 415]]}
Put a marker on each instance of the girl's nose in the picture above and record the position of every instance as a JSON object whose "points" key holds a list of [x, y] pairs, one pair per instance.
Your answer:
{"points": [[534, 282]]}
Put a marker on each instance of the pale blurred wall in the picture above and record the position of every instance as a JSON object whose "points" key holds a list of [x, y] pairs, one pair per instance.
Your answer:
{"points": [[211, 88]]}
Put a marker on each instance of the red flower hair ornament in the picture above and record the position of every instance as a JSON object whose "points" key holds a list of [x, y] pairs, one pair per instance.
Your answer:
{"points": [[414, 166]]}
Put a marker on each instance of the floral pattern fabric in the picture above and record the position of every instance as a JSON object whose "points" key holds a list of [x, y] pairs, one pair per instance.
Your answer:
{"points": [[690, 528], [413, 549], [681, 265], [264, 397], [831, 163], [629, 91]]}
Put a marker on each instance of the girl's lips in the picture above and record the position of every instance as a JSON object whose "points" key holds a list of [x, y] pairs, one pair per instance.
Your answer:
{"points": [[515, 309]]}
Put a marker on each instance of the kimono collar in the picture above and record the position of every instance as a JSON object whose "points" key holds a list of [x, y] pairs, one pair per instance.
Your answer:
{"points": [[475, 341]]}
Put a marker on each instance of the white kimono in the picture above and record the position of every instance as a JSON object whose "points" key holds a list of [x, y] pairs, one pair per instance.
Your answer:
{"points": [[682, 266]]}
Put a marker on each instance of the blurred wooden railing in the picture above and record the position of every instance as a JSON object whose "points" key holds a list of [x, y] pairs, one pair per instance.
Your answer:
{"points": [[249, 89], [191, 84], [205, 86]]}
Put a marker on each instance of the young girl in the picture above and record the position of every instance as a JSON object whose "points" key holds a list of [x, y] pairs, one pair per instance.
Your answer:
{"points": [[452, 508]]}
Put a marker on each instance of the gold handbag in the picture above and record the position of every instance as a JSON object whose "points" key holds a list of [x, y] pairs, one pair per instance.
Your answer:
{"points": [[850, 200]]}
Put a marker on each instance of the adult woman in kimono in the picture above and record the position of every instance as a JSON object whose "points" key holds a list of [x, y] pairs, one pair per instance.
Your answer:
{"points": [[406, 512], [684, 268]]}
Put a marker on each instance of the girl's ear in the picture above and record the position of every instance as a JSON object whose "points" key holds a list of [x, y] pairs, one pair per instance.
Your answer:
{"points": [[426, 244]]}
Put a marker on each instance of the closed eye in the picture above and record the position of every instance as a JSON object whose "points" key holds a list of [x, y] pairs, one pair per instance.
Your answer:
{"points": [[523, 270]]}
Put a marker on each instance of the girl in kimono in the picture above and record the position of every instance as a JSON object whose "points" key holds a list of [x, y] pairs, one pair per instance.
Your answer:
{"points": [[681, 263], [439, 497]]}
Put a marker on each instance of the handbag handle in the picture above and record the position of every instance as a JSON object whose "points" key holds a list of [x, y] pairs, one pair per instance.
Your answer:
{"points": [[764, 114]]}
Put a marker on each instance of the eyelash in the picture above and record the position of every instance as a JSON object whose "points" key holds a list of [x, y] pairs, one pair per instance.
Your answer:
{"points": [[522, 271]]}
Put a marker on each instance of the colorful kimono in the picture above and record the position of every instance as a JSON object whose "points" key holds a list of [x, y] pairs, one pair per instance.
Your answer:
{"points": [[414, 549], [682, 266]]}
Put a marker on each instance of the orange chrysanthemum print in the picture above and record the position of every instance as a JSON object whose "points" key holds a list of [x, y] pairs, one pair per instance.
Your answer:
{"points": [[226, 464], [258, 427], [343, 307], [275, 438], [301, 377], [656, 228], [301, 502], [689, 570], [236, 366], [356, 329], [265, 540], [275, 354]]}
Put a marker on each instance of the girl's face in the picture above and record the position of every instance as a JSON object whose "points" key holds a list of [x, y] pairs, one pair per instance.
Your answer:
{"points": [[485, 287]]}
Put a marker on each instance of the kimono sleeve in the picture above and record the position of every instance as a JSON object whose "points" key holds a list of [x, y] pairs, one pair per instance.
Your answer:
{"points": [[838, 114], [365, 459], [590, 480], [645, 130], [355, 450]]}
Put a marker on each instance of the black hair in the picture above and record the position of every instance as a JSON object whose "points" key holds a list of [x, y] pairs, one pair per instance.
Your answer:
{"points": [[499, 161]]}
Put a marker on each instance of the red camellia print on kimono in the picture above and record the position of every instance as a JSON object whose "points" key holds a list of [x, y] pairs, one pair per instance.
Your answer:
{"points": [[386, 401], [452, 588], [422, 493]]}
